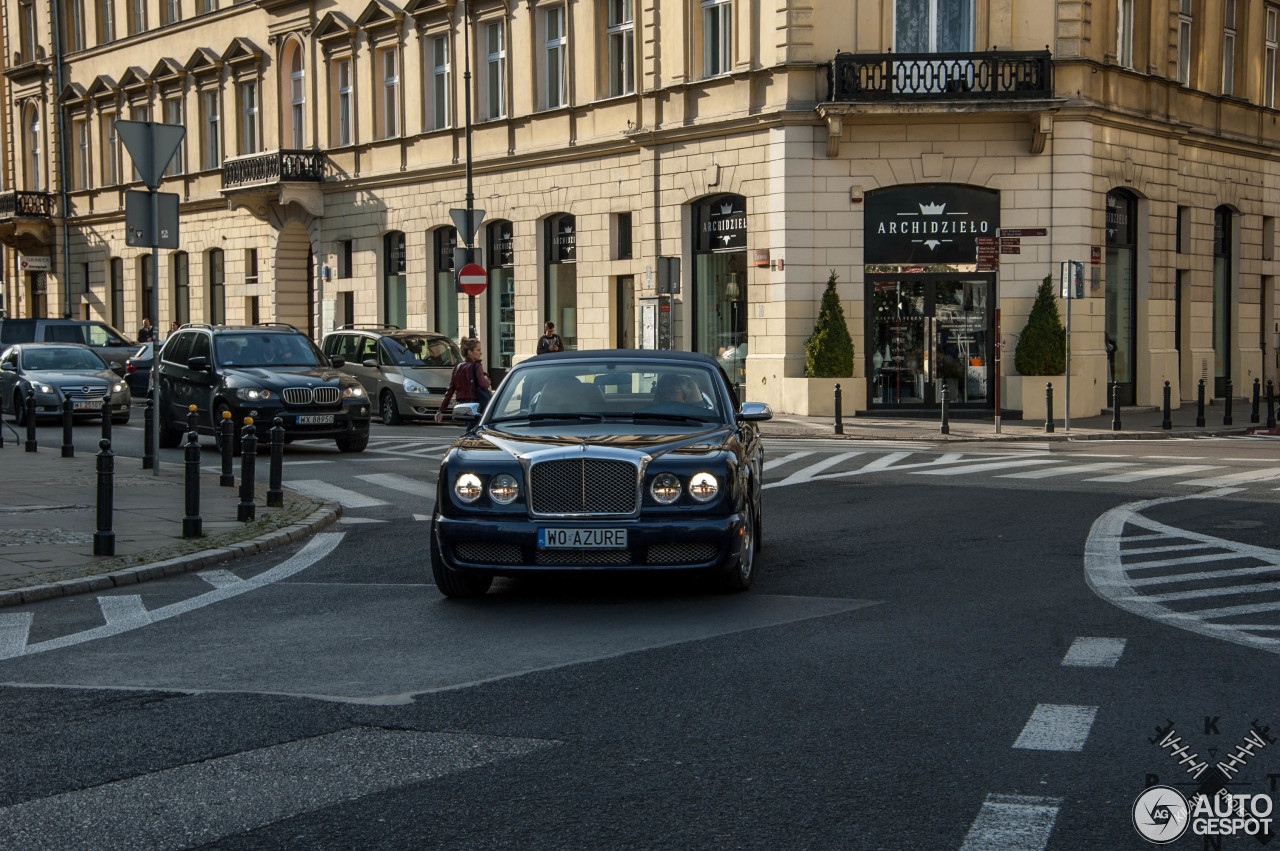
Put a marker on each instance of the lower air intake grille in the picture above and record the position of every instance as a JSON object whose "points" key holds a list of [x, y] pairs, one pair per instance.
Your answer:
{"points": [[585, 557], [693, 552], [480, 552]]}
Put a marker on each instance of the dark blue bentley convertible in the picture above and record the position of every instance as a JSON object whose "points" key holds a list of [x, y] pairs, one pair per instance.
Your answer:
{"points": [[602, 460]]}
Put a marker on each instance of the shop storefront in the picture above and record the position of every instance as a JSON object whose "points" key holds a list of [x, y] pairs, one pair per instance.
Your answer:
{"points": [[445, 289], [719, 305], [501, 293], [561, 276], [930, 316]]}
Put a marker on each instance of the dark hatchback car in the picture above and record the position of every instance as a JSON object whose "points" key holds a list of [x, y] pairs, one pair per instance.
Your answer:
{"points": [[259, 371], [602, 460]]}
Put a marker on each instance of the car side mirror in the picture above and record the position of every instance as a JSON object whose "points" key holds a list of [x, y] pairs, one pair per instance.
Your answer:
{"points": [[199, 363], [466, 412], [8, 367], [370, 363], [755, 412], [338, 361]]}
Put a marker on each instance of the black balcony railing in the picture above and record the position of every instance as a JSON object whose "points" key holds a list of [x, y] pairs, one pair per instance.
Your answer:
{"points": [[995, 75], [273, 167], [36, 204]]}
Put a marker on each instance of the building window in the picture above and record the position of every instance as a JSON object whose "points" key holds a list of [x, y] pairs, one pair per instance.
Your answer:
{"points": [[621, 38], [1182, 232], [342, 104], [146, 289], [439, 82], [110, 151], [172, 11], [138, 112], [933, 26], [31, 147], [297, 99], [216, 275], [1184, 42], [555, 63], [74, 22], [1124, 33], [106, 21], [27, 40], [1272, 55], [1228, 47], [390, 101], [211, 138], [181, 289], [717, 37], [82, 153], [346, 258], [249, 117], [206, 6], [1223, 284], [116, 299], [251, 265], [394, 294], [444, 244], [495, 70], [623, 243], [720, 281], [502, 296], [173, 115], [137, 16], [1120, 326], [561, 275]]}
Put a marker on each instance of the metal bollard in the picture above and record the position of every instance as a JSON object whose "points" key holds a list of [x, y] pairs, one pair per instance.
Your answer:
{"points": [[191, 418], [1048, 407], [1200, 405], [839, 420], [106, 418], [68, 439], [1115, 406], [275, 493], [104, 539], [148, 438], [246, 510], [1167, 422], [1226, 409], [945, 428], [30, 414], [227, 479], [1271, 404], [191, 523], [1257, 393]]}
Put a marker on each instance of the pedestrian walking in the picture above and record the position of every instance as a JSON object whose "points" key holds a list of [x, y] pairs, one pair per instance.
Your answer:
{"points": [[550, 341], [468, 383], [146, 334]]}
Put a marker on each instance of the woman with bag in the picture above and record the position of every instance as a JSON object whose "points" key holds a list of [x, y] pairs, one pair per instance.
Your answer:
{"points": [[468, 383]]}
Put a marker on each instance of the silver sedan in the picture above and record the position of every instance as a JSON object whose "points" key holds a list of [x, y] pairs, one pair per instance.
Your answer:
{"points": [[55, 372]]}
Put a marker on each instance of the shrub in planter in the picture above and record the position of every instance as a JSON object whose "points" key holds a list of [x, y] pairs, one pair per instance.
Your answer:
{"points": [[828, 353], [1042, 347]]}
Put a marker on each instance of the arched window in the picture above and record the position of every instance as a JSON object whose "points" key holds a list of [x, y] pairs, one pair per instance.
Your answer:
{"points": [[1223, 275], [1121, 291], [295, 117], [394, 294], [561, 276]]}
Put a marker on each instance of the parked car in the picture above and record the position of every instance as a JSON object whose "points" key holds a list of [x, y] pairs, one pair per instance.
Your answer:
{"points": [[57, 372], [137, 369], [259, 371], [405, 372], [609, 460], [99, 336]]}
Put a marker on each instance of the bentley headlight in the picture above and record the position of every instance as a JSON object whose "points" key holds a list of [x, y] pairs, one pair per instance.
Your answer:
{"points": [[352, 392], [467, 487], [665, 488], [411, 386], [503, 488], [703, 487], [253, 394]]}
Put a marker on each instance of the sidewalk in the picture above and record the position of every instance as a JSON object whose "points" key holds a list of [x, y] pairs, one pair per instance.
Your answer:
{"points": [[48, 515]]}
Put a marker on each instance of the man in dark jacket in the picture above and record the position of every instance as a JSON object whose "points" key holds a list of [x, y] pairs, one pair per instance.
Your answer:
{"points": [[550, 341]]}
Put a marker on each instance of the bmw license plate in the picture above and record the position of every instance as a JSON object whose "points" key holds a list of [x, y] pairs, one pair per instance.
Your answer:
{"points": [[87, 405], [582, 539], [315, 419]]}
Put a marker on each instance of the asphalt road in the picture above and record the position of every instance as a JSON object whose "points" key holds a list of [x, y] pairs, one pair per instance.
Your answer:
{"points": [[911, 670]]}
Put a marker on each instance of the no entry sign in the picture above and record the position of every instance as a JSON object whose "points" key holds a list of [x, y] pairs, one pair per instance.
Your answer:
{"points": [[472, 279]]}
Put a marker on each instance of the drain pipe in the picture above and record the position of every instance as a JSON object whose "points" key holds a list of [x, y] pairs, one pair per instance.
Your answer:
{"points": [[63, 200]]}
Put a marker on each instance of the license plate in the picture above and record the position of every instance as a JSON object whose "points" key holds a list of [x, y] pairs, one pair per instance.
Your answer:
{"points": [[582, 539], [315, 419], [87, 405]]}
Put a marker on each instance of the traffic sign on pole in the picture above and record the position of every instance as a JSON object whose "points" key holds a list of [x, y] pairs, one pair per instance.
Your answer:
{"points": [[472, 279], [467, 225], [151, 145]]}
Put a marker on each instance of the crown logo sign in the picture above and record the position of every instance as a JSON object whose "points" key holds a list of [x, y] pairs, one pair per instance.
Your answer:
{"points": [[726, 208], [932, 209]]}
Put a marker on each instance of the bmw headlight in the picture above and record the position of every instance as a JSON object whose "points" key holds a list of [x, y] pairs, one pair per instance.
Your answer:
{"points": [[665, 488], [467, 487], [503, 489], [353, 392], [411, 386], [253, 394], [703, 487]]}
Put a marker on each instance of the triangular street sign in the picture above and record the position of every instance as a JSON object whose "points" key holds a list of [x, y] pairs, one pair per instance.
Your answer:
{"points": [[151, 145], [467, 230]]}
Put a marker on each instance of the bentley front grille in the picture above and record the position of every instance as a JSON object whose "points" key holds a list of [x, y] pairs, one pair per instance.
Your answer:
{"points": [[584, 486]]}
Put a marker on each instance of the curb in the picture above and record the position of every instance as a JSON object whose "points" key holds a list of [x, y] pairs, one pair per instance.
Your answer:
{"points": [[1058, 436], [323, 517]]}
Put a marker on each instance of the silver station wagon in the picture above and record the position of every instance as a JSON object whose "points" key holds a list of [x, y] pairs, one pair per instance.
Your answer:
{"points": [[404, 372]]}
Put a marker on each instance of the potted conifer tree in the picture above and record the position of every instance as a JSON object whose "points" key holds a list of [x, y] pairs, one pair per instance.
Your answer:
{"points": [[1041, 355]]}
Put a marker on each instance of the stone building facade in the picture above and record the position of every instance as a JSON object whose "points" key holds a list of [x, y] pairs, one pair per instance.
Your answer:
{"points": [[677, 172]]}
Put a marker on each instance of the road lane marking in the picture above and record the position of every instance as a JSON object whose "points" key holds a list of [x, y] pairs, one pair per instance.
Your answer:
{"points": [[394, 481], [1204, 574], [1155, 473], [1057, 727], [219, 578], [318, 489], [1012, 823], [1065, 471], [1232, 611], [985, 467], [1172, 548], [807, 473], [350, 521], [1236, 478], [317, 548], [14, 629], [1094, 653], [1148, 564], [1219, 591], [785, 459], [231, 795], [124, 611]]}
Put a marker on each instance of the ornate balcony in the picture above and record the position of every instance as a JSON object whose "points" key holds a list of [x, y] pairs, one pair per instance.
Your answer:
{"points": [[26, 219], [259, 181], [994, 75], [33, 204]]}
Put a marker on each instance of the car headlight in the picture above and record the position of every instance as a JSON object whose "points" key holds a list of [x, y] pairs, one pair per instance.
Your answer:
{"points": [[43, 388], [467, 487], [503, 489], [118, 388], [253, 394], [352, 392], [703, 487], [665, 488], [411, 386]]}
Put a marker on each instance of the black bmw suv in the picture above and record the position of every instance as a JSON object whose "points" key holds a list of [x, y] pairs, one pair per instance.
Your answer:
{"points": [[259, 371]]}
